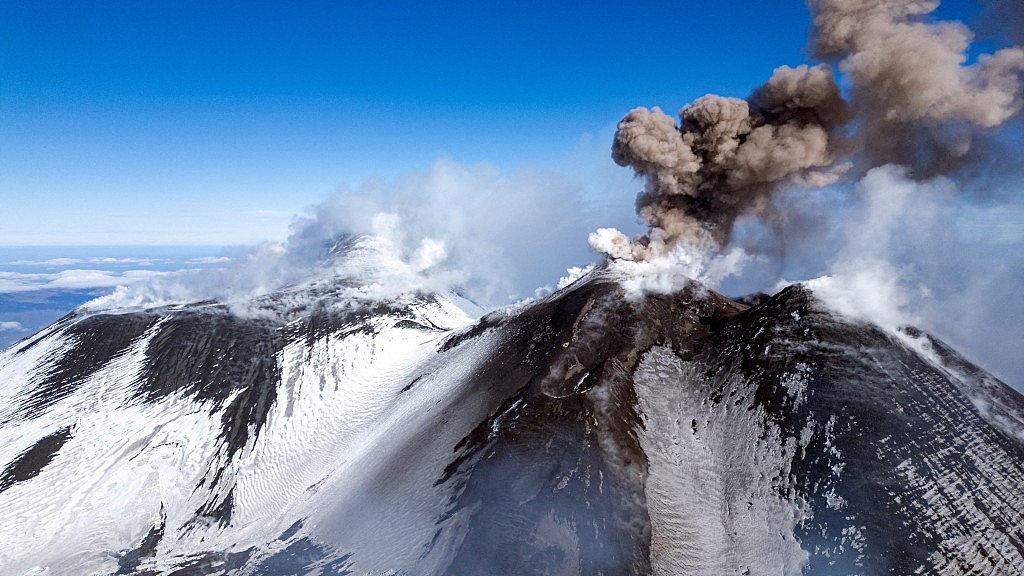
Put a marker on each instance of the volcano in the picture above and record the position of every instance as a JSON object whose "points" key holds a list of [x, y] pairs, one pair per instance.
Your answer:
{"points": [[589, 432]]}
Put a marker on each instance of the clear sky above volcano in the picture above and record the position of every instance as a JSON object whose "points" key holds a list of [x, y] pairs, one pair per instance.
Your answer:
{"points": [[213, 122]]}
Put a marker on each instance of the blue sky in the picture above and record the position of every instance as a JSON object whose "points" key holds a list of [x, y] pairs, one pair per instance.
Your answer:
{"points": [[211, 122], [214, 123], [180, 122]]}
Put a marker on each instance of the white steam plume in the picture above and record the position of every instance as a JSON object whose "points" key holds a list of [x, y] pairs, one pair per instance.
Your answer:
{"points": [[492, 236], [922, 253]]}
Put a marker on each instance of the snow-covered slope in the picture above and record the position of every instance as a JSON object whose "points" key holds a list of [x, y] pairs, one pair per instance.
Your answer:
{"points": [[206, 431], [587, 433]]}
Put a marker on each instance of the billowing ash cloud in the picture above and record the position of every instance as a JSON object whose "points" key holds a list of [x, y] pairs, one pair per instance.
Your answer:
{"points": [[913, 100], [728, 155], [918, 102]]}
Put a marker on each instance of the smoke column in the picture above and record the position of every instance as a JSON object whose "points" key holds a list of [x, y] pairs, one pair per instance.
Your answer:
{"points": [[912, 100]]}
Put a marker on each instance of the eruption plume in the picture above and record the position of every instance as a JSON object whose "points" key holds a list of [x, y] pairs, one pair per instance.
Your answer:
{"points": [[917, 100], [913, 100]]}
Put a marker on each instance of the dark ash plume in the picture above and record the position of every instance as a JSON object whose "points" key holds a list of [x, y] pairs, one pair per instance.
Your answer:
{"points": [[919, 104], [913, 101], [728, 155]]}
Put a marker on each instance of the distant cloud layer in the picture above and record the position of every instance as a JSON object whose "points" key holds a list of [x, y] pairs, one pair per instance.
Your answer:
{"points": [[11, 327], [73, 279], [42, 271], [105, 261]]}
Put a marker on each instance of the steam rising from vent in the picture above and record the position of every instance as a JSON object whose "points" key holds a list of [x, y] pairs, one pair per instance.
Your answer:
{"points": [[913, 100]]}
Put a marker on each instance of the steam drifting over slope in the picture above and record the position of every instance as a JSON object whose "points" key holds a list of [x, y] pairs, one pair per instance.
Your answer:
{"points": [[492, 235]]}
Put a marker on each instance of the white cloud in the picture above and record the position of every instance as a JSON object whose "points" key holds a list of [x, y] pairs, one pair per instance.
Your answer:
{"points": [[11, 327], [665, 268], [73, 279], [673, 270], [107, 261], [870, 291], [490, 235], [862, 281], [209, 260], [499, 235]]}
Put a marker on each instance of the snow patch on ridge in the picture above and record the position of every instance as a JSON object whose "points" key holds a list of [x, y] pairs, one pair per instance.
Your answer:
{"points": [[711, 510]]}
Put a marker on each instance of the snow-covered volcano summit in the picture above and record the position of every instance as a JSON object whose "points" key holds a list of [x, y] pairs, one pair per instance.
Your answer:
{"points": [[586, 433]]}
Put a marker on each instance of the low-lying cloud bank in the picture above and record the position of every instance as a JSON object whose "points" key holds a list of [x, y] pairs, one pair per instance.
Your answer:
{"points": [[74, 279], [11, 327]]}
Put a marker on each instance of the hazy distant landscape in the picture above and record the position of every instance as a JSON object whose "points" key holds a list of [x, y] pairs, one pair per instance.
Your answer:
{"points": [[39, 284]]}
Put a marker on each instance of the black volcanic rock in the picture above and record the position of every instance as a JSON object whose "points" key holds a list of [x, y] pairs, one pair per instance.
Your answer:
{"points": [[29, 463], [586, 433]]}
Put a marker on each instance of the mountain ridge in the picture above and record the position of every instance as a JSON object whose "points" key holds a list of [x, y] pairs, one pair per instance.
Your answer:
{"points": [[587, 432]]}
